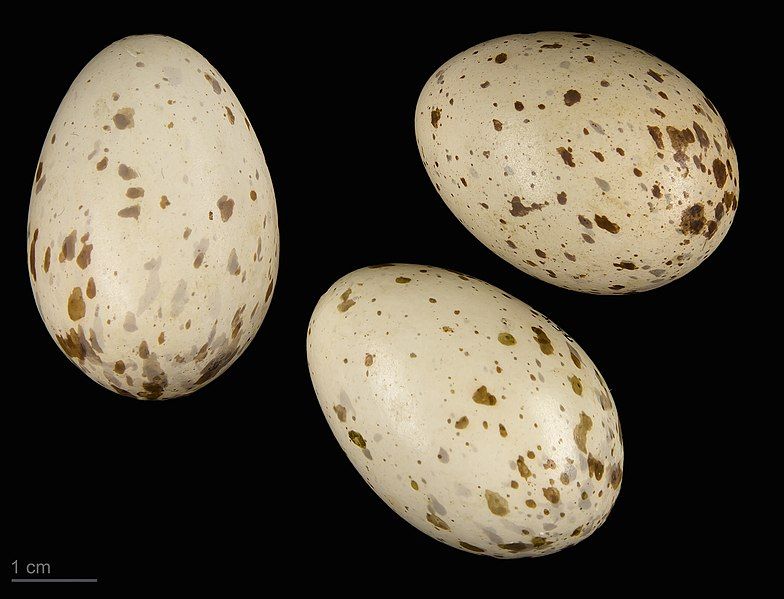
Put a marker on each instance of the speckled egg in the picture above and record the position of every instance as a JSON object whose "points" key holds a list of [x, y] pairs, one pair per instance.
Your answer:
{"points": [[152, 232], [582, 161], [472, 415]]}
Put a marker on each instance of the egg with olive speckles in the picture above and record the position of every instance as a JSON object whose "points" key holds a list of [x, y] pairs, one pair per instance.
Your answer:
{"points": [[582, 161], [472, 415], [152, 232]]}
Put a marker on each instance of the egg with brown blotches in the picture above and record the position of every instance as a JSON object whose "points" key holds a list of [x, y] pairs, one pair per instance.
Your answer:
{"points": [[580, 160], [472, 415], [152, 230]]}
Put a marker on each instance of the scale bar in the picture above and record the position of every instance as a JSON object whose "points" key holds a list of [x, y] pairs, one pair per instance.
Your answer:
{"points": [[54, 580]]}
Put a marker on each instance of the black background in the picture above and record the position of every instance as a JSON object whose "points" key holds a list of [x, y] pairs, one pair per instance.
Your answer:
{"points": [[243, 480]]}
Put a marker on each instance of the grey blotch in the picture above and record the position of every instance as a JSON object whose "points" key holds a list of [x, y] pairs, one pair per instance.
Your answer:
{"points": [[130, 322], [437, 507], [603, 185]]}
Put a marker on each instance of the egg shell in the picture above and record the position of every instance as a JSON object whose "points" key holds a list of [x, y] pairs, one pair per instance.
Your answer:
{"points": [[152, 230], [582, 161], [470, 414]]}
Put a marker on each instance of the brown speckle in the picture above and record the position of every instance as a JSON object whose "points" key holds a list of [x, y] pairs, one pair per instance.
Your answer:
{"points": [[48, 257], [134, 193], [581, 432], [83, 259], [566, 156], [605, 223], [543, 340], [357, 439], [720, 173], [481, 396], [164, 202], [471, 547], [126, 172], [595, 467], [345, 303], [432, 518], [693, 220], [552, 494], [226, 207], [76, 306], [32, 254], [214, 82], [657, 136], [571, 97], [130, 212], [124, 118], [497, 504]]}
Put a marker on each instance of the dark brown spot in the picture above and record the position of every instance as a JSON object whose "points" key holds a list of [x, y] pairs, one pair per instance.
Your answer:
{"points": [[126, 172], [656, 191], [471, 547], [616, 475], [518, 105], [554, 46], [516, 547], [657, 136], [595, 467], [214, 82], [581, 432], [625, 264], [357, 439], [605, 223], [76, 306], [461, 423], [269, 291], [134, 193], [655, 75], [402, 280], [496, 503], [500, 58], [435, 115], [525, 472], [48, 258], [693, 220], [599, 156], [229, 115], [481, 396], [90, 291], [340, 411], [543, 340], [83, 259], [506, 339], [519, 209], [130, 212], [164, 202], [345, 303], [702, 137], [226, 207], [101, 164], [497, 125], [552, 494], [571, 97], [720, 172], [577, 384], [561, 196], [124, 118], [32, 254], [119, 367], [432, 518], [566, 156]]}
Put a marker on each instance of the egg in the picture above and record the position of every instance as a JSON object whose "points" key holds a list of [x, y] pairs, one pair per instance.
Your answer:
{"points": [[152, 231], [580, 160], [472, 415]]}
